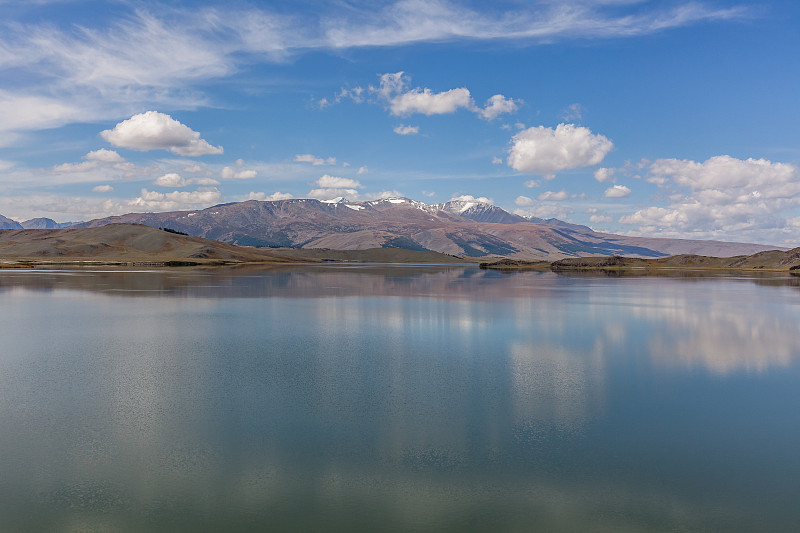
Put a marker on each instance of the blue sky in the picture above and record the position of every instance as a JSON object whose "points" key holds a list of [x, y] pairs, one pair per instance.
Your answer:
{"points": [[670, 118]]}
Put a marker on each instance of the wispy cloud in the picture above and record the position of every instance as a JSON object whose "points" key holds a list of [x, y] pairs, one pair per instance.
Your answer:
{"points": [[160, 56]]}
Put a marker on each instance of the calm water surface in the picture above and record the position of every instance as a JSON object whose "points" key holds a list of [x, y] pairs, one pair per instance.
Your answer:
{"points": [[372, 398]]}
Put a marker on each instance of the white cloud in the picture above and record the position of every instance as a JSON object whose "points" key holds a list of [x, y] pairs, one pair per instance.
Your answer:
{"points": [[573, 112], [723, 197], [175, 200], [362, 170], [158, 57], [524, 201], [498, 105], [427, 102], [97, 159], [335, 182], [540, 150], [617, 191], [103, 188], [76, 167], [314, 160], [403, 101], [406, 130], [546, 211], [229, 173], [332, 194], [382, 195], [600, 219], [194, 169], [604, 174], [553, 196], [470, 198], [203, 181], [106, 156], [532, 184], [497, 160], [414, 21], [170, 180], [153, 131], [22, 111], [264, 197]]}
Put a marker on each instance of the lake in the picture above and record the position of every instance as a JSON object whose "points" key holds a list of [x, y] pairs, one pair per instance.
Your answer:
{"points": [[398, 398]]}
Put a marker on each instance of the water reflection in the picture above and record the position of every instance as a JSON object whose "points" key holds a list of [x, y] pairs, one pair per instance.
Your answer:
{"points": [[409, 398]]}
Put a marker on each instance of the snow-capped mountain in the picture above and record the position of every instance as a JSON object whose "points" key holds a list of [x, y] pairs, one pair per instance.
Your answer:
{"points": [[457, 227]]}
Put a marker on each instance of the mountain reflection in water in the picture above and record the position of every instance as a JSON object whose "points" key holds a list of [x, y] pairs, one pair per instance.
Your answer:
{"points": [[397, 398]]}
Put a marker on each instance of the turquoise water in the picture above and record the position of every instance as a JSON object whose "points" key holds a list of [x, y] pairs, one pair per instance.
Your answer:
{"points": [[373, 398]]}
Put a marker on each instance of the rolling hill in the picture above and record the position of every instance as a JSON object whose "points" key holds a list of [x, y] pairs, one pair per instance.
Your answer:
{"points": [[138, 244]]}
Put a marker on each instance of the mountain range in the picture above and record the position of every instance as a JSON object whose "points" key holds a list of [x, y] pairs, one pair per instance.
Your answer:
{"points": [[34, 223], [467, 229]]}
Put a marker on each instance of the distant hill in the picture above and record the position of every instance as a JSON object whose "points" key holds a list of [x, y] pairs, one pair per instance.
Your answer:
{"points": [[7, 223], [469, 229], [45, 223], [770, 260], [132, 243]]}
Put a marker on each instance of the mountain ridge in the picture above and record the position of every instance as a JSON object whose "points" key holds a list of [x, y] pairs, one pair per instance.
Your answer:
{"points": [[470, 229]]}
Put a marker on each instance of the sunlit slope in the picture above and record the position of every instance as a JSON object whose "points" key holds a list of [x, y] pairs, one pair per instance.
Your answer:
{"points": [[138, 243]]}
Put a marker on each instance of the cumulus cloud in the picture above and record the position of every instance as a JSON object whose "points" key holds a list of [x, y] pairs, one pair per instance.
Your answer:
{"points": [[264, 197], [427, 102], [530, 184], [553, 196], [722, 197], [470, 198], [97, 159], [336, 182], [600, 219], [604, 174], [229, 173], [333, 187], [175, 200], [497, 160], [314, 160], [524, 201], [394, 90], [156, 131], [382, 195], [498, 105], [103, 188], [406, 130], [170, 180], [106, 156], [617, 191], [541, 150], [362, 170]]}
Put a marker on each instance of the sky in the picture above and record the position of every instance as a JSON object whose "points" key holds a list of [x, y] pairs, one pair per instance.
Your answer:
{"points": [[670, 118]]}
